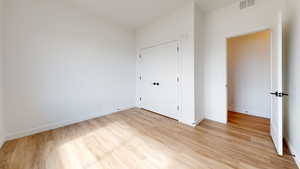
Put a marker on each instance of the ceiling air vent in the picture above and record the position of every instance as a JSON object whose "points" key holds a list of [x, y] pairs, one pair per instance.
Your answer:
{"points": [[243, 4], [246, 3]]}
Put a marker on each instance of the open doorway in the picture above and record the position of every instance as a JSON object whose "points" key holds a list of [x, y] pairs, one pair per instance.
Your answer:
{"points": [[249, 81]]}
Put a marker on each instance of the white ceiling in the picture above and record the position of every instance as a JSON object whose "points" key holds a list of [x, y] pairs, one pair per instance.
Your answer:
{"points": [[136, 13], [208, 5]]}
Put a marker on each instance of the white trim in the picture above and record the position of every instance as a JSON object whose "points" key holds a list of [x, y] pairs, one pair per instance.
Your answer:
{"points": [[52, 126], [192, 124], [293, 151], [297, 161], [252, 113], [2, 141], [158, 44], [196, 123], [249, 32]]}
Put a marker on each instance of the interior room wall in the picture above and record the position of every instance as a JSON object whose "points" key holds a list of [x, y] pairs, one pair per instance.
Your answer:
{"points": [[292, 115], [249, 59], [199, 58], [2, 133], [63, 65], [179, 25], [221, 24]]}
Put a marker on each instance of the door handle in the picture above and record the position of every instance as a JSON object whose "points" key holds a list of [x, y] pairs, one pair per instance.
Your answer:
{"points": [[277, 94], [282, 94]]}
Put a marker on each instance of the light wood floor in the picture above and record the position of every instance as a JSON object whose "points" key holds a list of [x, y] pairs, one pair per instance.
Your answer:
{"points": [[137, 139], [247, 122]]}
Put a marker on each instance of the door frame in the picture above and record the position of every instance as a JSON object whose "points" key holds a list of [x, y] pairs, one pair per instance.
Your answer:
{"points": [[179, 71], [227, 63]]}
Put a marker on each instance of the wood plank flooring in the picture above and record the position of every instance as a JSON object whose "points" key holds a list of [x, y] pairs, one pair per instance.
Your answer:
{"points": [[138, 139], [247, 122]]}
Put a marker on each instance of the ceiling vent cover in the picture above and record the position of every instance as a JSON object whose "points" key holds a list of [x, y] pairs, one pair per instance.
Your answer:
{"points": [[246, 3], [243, 4]]}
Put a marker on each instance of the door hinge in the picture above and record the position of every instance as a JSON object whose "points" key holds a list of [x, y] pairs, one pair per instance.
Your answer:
{"points": [[178, 49], [177, 79], [140, 77], [140, 56], [178, 108], [140, 98]]}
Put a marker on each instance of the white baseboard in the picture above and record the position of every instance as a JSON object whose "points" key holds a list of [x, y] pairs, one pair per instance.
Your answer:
{"points": [[293, 151], [251, 113], [192, 124], [216, 119], [297, 162], [197, 122], [1, 143], [52, 126]]}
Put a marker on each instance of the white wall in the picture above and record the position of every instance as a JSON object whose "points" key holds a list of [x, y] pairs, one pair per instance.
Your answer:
{"points": [[199, 58], [249, 64], [177, 26], [221, 24], [63, 65], [2, 135], [292, 116]]}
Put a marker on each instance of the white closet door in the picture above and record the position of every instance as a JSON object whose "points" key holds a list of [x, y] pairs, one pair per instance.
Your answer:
{"points": [[159, 66]]}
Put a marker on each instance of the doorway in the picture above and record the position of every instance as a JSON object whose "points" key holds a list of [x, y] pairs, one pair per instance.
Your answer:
{"points": [[276, 92], [249, 80]]}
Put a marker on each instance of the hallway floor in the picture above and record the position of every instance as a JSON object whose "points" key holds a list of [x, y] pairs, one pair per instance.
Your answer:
{"points": [[247, 122]]}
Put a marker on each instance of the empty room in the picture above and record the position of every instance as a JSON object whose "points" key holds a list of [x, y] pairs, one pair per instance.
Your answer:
{"points": [[149, 84]]}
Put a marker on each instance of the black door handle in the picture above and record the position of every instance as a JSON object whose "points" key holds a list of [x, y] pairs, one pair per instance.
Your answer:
{"points": [[276, 93], [282, 94]]}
